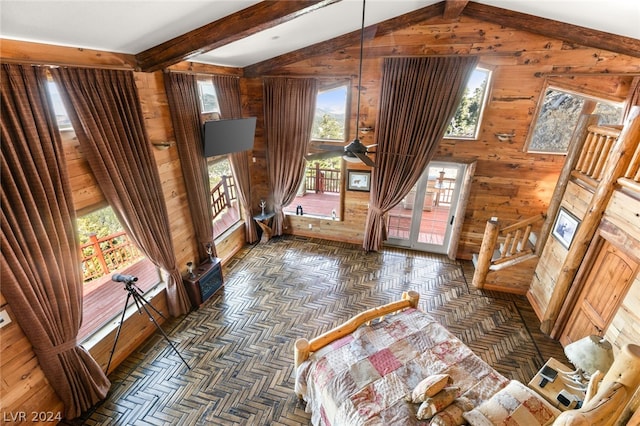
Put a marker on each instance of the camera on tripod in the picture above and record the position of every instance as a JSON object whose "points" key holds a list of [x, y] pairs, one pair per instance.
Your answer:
{"points": [[120, 278], [141, 304]]}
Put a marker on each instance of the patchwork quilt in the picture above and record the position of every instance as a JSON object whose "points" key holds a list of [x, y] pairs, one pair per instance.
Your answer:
{"points": [[363, 378]]}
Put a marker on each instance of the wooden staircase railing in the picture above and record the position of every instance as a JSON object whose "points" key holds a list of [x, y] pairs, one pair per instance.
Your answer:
{"points": [[595, 153], [515, 244]]}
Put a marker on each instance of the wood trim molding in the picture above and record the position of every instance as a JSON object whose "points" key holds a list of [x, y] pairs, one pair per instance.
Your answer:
{"points": [[25, 52], [259, 17], [556, 29]]}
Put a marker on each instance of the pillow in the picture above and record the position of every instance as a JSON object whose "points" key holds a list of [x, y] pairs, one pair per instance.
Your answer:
{"points": [[452, 415], [429, 387], [436, 403], [515, 404]]}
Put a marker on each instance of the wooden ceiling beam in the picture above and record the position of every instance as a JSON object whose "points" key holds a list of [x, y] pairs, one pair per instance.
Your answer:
{"points": [[556, 29], [344, 41], [453, 8], [259, 17]]}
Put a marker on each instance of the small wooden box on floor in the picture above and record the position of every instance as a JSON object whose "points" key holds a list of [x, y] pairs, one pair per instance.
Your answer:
{"points": [[205, 281]]}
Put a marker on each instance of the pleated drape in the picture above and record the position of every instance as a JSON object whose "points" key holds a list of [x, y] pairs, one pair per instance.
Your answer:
{"points": [[184, 105], [41, 275], [106, 114], [418, 98], [228, 91], [289, 106]]}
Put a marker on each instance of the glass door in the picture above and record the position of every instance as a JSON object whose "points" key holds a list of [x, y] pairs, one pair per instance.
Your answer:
{"points": [[424, 218]]}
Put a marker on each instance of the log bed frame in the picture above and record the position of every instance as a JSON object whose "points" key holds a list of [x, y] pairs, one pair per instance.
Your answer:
{"points": [[605, 402], [303, 347]]}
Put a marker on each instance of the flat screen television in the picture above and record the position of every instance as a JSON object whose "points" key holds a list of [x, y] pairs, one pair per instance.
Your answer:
{"points": [[227, 136]]}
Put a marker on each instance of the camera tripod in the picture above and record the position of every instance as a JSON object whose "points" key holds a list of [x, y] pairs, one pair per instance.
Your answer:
{"points": [[141, 303]]}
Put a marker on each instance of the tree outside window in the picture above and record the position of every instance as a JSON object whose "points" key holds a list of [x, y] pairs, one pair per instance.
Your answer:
{"points": [[320, 191], [466, 121], [558, 116], [329, 122]]}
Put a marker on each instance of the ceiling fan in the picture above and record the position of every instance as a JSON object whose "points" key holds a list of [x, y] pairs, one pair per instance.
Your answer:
{"points": [[355, 150]]}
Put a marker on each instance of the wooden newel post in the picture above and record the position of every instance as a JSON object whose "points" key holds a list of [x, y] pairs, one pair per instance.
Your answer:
{"points": [[301, 351], [413, 297], [489, 240]]}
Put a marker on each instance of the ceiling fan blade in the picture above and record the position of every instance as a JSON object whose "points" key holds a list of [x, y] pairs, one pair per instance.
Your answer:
{"points": [[366, 160]]}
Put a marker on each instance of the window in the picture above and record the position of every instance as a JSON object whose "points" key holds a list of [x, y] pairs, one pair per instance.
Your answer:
{"points": [[106, 249], [104, 246], [58, 107], [558, 116], [329, 122], [466, 121], [319, 192], [208, 97], [223, 197]]}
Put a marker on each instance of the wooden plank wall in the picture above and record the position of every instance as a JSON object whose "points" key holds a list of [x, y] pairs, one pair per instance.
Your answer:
{"points": [[509, 183], [22, 383], [623, 212], [575, 200]]}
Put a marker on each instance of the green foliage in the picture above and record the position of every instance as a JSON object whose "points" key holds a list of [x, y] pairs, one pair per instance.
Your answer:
{"points": [[218, 167], [558, 117], [326, 163], [327, 127], [467, 115], [101, 222]]}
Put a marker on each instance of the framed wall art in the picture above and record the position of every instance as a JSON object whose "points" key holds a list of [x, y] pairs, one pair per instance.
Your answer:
{"points": [[565, 227], [359, 180]]}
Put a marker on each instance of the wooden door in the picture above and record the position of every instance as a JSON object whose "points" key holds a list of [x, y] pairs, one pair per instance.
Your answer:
{"points": [[603, 289]]}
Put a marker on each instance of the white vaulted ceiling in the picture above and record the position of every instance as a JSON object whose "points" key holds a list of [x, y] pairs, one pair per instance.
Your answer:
{"points": [[133, 26]]}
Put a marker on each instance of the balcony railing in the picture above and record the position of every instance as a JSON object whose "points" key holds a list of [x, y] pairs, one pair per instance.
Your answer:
{"points": [[101, 256], [222, 194], [322, 180]]}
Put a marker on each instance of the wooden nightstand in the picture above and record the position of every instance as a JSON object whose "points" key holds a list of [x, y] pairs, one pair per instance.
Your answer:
{"points": [[551, 390]]}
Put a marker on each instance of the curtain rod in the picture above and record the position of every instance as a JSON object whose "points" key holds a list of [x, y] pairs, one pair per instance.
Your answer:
{"points": [[50, 64], [198, 73]]}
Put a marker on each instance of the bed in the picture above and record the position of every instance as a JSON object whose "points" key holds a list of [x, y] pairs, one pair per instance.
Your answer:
{"points": [[362, 375]]}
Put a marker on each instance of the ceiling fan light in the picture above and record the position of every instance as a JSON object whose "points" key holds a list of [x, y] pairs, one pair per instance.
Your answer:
{"points": [[351, 159]]}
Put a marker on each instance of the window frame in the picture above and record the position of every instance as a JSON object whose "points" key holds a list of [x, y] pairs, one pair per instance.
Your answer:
{"points": [[590, 102], [331, 84], [105, 318], [200, 82], [483, 106], [211, 161]]}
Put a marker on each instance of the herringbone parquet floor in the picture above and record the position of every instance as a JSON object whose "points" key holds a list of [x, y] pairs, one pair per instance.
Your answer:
{"points": [[239, 344]]}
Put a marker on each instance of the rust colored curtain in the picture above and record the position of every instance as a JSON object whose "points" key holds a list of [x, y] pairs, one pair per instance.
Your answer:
{"points": [[105, 112], [289, 105], [41, 275], [228, 91], [184, 105], [419, 96]]}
